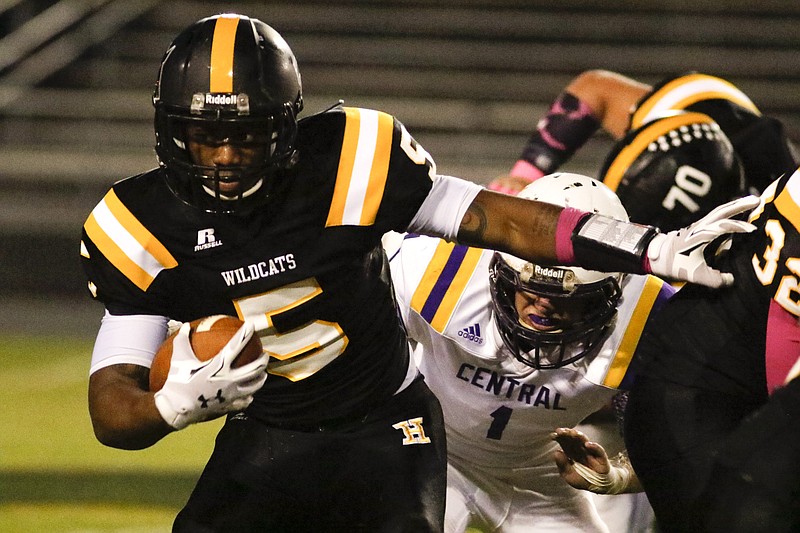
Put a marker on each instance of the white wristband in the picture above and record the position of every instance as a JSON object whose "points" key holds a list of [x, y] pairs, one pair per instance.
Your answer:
{"points": [[615, 482]]}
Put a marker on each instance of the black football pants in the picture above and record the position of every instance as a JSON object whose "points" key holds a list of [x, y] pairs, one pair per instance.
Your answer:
{"points": [[706, 460], [364, 476], [754, 485]]}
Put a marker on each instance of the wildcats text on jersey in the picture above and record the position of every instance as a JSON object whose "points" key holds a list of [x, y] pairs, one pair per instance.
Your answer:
{"points": [[262, 269]]}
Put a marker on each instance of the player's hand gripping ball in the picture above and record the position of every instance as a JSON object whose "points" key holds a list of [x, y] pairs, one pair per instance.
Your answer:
{"points": [[207, 337]]}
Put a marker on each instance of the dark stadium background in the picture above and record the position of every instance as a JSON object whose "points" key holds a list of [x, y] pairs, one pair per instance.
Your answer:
{"points": [[468, 78]]}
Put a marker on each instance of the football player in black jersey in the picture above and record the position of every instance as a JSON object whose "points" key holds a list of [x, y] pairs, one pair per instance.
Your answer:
{"points": [[256, 214], [619, 105], [712, 423]]}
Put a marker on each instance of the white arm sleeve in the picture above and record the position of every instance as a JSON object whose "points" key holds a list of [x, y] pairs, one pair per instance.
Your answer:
{"points": [[128, 339], [441, 212]]}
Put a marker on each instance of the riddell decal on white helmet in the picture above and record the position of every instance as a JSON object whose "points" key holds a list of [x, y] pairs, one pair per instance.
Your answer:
{"points": [[549, 273], [567, 189]]}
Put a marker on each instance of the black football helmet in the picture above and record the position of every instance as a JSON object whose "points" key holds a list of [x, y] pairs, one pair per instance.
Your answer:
{"points": [[598, 292], [236, 78], [674, 169]]}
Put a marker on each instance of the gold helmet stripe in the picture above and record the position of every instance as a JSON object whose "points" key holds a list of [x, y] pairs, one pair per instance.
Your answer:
{"points": [[639, 144], [222, 54], [687, 90]]}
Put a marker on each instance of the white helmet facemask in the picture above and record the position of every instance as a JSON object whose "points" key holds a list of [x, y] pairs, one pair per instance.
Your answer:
{"points": [[595, 294]]}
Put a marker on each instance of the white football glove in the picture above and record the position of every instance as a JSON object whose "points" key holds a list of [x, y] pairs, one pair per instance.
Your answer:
{"points": [[196, 390], [678, 255]]}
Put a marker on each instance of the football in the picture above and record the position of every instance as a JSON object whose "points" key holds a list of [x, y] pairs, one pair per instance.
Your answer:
{"points": [[207, 336]]}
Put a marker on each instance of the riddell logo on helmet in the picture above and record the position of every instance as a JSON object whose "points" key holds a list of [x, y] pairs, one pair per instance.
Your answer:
{"points": [[550, 273], [221, 99]]}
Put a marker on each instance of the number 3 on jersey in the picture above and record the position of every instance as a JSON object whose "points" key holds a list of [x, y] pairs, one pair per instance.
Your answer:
{"points": [[788, 294], [301, 352]]}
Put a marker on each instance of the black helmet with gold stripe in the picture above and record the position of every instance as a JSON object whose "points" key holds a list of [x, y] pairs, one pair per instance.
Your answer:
{"points": [[674, 169], [226, 80]]}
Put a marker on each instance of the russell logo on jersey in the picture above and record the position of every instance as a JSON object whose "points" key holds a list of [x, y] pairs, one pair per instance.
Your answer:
{"points": [[206, 240]]}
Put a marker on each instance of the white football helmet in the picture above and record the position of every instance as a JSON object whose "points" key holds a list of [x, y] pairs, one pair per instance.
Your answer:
{"points": [[555, 348]]}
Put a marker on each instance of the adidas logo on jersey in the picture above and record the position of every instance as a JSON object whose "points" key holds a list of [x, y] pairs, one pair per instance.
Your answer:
{"points": [[472, 333], [206, 240]]}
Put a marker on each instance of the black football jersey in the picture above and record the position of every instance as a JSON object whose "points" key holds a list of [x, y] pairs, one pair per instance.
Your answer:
{"points": [[307, 268], [716, 339], [760, 141]]}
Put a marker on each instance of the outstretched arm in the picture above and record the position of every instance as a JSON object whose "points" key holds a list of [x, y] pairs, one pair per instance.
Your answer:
{"points": [[547, 234], [595, 99], [507, 223], [611, 97]]}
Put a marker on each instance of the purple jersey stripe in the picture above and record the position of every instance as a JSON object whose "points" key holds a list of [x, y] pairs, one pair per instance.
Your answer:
{"points": [[443, 282]]}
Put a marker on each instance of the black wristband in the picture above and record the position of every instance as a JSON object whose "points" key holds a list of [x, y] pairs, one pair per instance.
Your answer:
{"points": [[567, 126], [610, 245]]}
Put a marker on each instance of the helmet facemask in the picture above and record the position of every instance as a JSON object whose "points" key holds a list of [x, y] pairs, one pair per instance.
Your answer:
{"points": [[569, 309], [594, 305], [225, 188], [227, 81]]}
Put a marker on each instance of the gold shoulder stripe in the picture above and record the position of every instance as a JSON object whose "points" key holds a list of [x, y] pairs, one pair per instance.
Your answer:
{"points": [[142, 235], [363, 168], [116, 256], [126, 243], [639, 144], [221, 75], [787, 201], [647, 299], [443, 282], [687, 90]]}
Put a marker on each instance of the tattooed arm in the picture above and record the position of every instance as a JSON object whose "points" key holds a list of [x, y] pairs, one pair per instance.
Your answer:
{"points": [[501, 222], [547, 234]]}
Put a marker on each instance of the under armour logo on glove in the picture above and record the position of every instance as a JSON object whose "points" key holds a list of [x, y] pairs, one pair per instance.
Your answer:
{"points": [[196, 391], [204, 402]]}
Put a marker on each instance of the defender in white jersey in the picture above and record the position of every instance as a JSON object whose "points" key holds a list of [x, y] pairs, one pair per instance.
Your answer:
{"points": [[514, 350]]}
